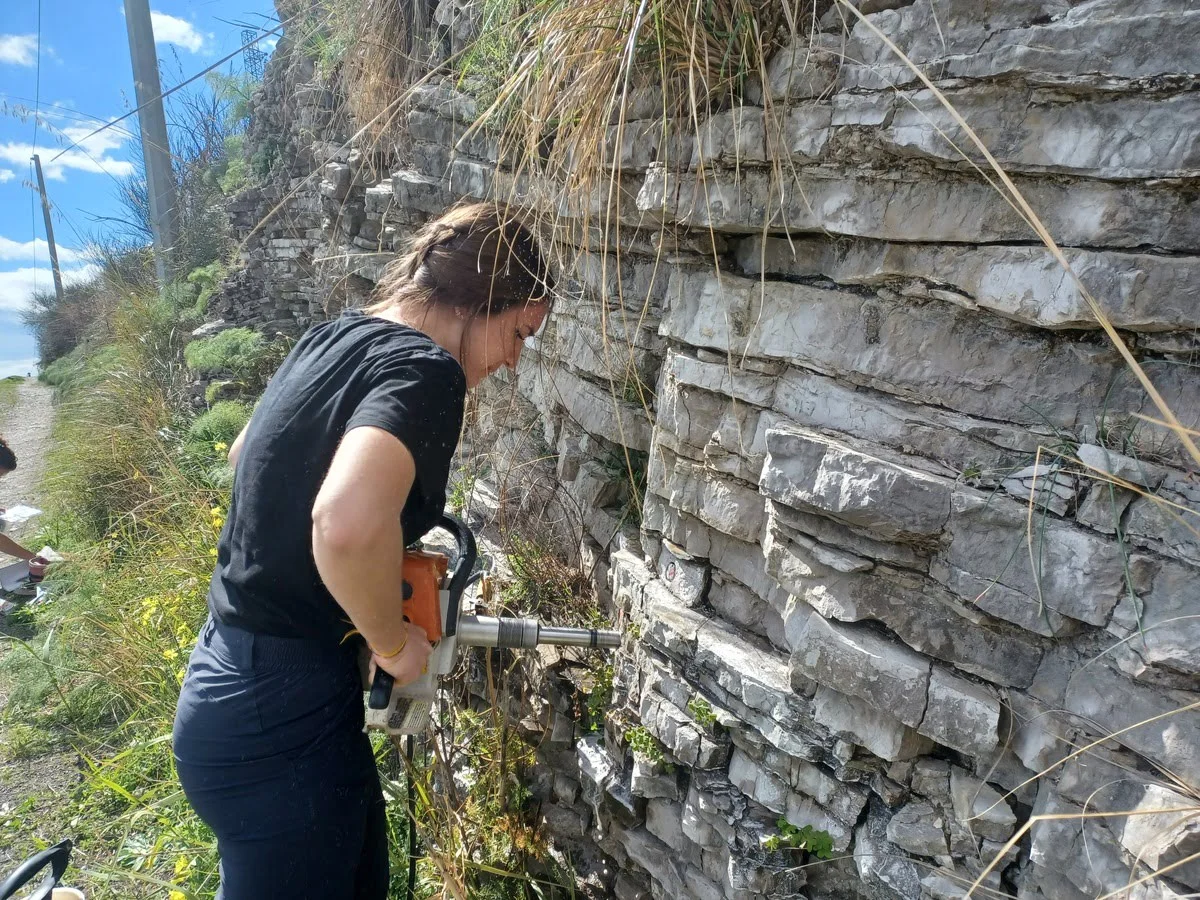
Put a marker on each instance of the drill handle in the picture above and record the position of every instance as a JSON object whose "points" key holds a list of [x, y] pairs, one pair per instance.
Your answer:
{"points": [[382, 684]]}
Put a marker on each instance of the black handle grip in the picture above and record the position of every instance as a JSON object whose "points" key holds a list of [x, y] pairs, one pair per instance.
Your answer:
{"points": [[381, 685], [381, 689], [55, 857]]}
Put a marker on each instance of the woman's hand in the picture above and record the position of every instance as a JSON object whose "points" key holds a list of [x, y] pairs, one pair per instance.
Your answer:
{"points": [[407, 665]]}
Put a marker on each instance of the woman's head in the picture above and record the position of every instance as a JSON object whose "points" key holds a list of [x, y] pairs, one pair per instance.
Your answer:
{"points": [[478, 267], [8, 459]]}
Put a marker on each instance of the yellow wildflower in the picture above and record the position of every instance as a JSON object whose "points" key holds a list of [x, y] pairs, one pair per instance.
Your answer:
{"points": [[220, 446]]}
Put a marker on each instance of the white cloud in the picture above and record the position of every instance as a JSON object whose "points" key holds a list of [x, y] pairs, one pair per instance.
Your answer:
{"points": [[172, 30], [7, 175], [18, 366], [15, 250], [18, 49], [72, 159], [16, 287]]}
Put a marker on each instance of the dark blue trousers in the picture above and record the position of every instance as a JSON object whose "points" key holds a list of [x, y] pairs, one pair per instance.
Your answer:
{"points": [[271, 754]]}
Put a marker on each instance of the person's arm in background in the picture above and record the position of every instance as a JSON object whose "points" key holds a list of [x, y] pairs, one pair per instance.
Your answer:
{"points": [[358, 545], [12, 548], [236, 449]]}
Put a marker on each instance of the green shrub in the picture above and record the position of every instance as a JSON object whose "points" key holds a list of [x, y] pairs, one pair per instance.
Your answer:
{"points": [[818, 843], [220, 425], [238, 350]]}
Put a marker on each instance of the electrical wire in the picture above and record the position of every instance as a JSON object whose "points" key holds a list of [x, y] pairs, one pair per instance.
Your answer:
{"points": [[170, 91]]}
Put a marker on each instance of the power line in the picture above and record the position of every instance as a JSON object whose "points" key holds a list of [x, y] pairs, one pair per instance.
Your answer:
{"points": [[169, 92]]}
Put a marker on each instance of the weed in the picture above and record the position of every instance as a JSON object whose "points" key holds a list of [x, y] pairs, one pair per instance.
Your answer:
{"points": [[600, 698], [702, 712], [646, 747], [26, 741], [818, 843]]}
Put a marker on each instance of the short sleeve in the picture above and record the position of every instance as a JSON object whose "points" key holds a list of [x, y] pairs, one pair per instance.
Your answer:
{"points": [[419, 400]]}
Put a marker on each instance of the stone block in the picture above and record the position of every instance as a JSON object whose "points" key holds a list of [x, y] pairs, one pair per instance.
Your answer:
{"points": [[960, 713], [663, 821], [732, 136], [1103, 507], [918, 828], [860, 723], [1024, 283], [888, 676], [758, 783], [1040, 41], [656, 858], [1047, 488], [697, 822], [980, 807], [810, 472], [1132, 136], [1159, 625], [685, 576], [912, 206], [726, 504], [920, 612], [1165, 528], [728, 379], [1080, 849], [647, 781], [936, 355], [990, 539], [1133, 471], [878, 862], [564, 822], [1155, 723], [804, 68], [1162, 830]]}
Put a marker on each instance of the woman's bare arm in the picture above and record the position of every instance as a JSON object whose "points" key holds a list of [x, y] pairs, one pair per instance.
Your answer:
{"points": [[358, 543]]}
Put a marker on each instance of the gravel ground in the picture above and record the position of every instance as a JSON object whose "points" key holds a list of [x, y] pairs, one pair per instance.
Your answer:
{"points": [[26, 427]]}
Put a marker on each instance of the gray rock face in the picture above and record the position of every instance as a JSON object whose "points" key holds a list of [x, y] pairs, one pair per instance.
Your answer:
{"points": [[1023, 283], [813, 473], [980, 807], [1158, 724], [889, 677], [918, 828]]}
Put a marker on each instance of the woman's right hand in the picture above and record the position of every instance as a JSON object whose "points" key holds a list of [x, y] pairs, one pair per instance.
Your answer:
{"points": [[407, 665]]}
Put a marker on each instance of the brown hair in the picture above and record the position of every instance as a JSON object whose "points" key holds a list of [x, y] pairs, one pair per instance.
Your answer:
{"points": [[8, 459], [477, 257]]}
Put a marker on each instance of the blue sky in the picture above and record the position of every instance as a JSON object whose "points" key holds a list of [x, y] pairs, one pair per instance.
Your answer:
{"points": [[86, 80]]}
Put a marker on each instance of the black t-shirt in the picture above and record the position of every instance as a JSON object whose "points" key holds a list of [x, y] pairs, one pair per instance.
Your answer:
{"points": [[353, 371]]}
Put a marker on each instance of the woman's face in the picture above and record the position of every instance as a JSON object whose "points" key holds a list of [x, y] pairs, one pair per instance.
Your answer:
{"points": [[491, 342]]}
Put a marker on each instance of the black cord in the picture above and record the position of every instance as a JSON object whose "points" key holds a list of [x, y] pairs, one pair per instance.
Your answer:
{"points": [[412, 823]]}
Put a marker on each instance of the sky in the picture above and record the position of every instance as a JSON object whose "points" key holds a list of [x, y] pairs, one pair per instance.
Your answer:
{"points": [[85, 81]]}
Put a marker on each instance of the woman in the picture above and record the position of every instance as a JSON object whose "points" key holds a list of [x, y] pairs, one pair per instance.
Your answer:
{"points": [[8, 462], [344, 462]]}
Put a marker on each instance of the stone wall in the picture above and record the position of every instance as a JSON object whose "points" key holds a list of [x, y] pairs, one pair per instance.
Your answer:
{"points": [[908, 531]]}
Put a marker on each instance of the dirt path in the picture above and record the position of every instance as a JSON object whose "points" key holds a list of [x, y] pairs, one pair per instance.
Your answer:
{"points": [[26, 426]]}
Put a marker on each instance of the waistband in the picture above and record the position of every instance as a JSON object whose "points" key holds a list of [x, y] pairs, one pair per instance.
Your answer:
{"points": [[251, 649]]}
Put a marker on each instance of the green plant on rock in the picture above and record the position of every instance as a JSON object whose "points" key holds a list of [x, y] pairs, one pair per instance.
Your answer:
{"points": [[818, 843], [600, 698], [646, 747], [702, 712]]}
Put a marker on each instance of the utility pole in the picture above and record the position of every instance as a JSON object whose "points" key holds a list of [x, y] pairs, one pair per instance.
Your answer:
{"points": [[58, 285], [152, 121]]}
